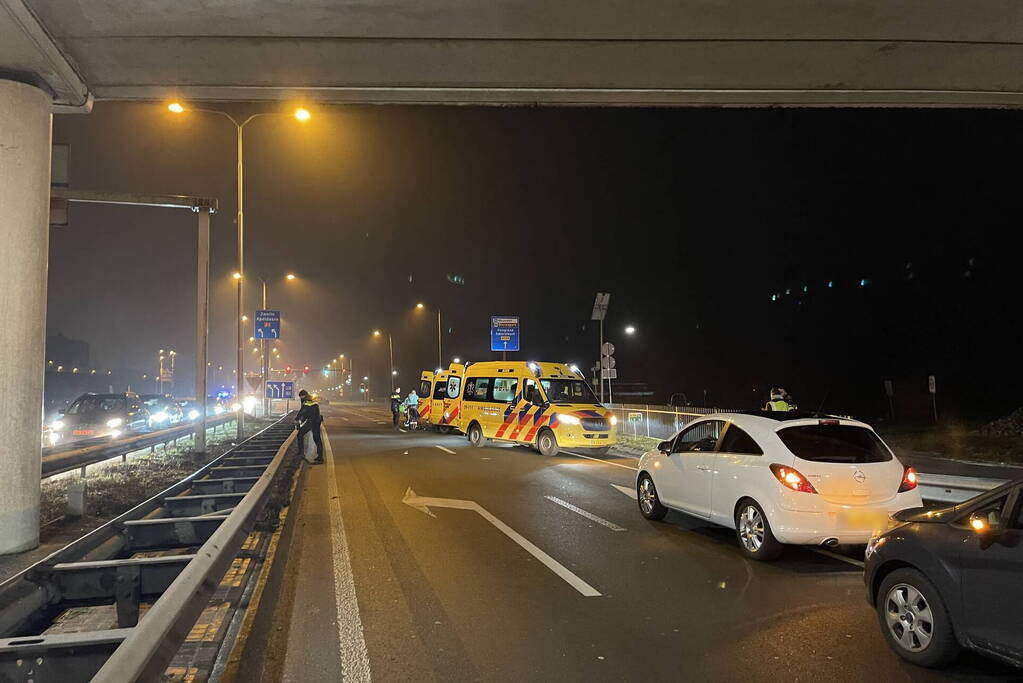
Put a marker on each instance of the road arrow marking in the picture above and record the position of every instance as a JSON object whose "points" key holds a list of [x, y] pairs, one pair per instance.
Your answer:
{"points": [[446, 450], [588, 515], [421, 503], [630, 492]]}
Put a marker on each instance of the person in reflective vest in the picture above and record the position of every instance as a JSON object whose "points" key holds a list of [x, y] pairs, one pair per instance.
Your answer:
{"points": [[780, 401], [395, 405], [309, 420]]}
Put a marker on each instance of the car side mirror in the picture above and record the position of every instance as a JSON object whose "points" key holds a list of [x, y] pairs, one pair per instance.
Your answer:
{"points": [[664, 447], [979, 524]]}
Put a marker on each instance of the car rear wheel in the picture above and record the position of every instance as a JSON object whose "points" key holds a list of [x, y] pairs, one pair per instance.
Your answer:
{"points": [[444, 429], [756, 539], [649, 503], [546, 443], [914, 619], [476, 437]]}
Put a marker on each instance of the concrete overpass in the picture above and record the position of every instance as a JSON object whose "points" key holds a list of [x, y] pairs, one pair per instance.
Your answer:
{"points": [[60, 55]]}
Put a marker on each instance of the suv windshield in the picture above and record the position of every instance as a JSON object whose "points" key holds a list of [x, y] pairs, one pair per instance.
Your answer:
{"points": [[568, 391], [94, 404], [835, 443]]}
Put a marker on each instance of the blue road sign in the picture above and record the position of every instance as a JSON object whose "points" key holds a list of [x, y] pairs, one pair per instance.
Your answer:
{"points": [[504, 333], [268, 325], [280, 390]]}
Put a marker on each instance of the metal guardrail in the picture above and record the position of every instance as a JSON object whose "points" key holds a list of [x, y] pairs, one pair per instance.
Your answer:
{"points": [[945, 488], [65, 460], [213, 510]]}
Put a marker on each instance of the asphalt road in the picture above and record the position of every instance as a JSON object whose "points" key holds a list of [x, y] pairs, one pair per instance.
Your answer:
{"points": [[546, 571]]}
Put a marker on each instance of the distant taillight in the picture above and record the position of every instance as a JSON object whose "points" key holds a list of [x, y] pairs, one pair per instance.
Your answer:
{"points": [[791, 478], [910, 479]]}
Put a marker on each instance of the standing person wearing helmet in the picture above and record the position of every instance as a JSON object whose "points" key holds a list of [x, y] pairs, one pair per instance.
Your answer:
{"points": [[780, 401], [395, 405], [309, 420]]}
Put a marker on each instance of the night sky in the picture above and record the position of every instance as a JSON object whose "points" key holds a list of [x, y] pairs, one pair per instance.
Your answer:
{"points": [[693, 219]]}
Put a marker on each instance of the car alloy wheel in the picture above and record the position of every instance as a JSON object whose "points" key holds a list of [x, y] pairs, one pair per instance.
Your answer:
{"points": [[751, 529], [647, 496], [909, 617]]}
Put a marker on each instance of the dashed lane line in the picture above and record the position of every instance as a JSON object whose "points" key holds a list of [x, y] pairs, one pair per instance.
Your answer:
{"points": [[630, 492], [588, 515], [446, 450]]}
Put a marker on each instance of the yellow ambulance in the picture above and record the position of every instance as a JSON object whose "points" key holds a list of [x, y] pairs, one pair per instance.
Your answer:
{"points": [[446, 398], [547, 405], [425, 392]]}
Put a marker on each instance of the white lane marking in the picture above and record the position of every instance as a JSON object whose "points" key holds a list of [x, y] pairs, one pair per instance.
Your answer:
{"points": [[446, 450], [837, 556], [606, 462], [402, 430], [381, 422], [630, 492], [588, 515], [352, 650], [345, 418], [423, 505]]}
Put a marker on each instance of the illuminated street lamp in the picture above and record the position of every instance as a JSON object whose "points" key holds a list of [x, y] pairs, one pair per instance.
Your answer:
{"points": [[630, 330], [390, 354], [420, 306], [301, 114]]}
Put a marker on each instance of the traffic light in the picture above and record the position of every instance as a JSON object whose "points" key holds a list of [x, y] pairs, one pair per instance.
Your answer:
{"points": [[305, 370]]}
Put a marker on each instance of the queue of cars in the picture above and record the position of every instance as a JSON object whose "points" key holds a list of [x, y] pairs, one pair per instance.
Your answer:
{"points": [[112, 415]]}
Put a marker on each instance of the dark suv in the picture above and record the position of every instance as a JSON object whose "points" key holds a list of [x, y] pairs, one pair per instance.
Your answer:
{"points": [[943, 579]]}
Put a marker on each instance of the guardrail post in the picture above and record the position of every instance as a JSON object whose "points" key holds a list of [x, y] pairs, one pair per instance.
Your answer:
{"points": [[128, 595]]}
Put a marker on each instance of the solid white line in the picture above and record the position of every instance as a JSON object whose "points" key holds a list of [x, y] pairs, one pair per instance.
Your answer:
{"points": [[446, 450], [837, 556], [588, 515], [352, 650], [606, 462], [630, 492]]}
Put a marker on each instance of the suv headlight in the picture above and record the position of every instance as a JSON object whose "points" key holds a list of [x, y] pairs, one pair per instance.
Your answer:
{"points": [[160, 416], [114, 422], [568, 419], [57, 425], [614, 420]]}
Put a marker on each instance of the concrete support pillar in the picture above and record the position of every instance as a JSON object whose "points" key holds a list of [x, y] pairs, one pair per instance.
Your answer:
{"points": [[24, 243]]}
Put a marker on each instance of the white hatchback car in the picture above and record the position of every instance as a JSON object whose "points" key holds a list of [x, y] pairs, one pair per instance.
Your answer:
{"points": [[778, 478]]}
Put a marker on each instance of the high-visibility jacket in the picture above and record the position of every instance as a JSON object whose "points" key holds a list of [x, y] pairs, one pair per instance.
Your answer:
{"points": [[780, 405]]}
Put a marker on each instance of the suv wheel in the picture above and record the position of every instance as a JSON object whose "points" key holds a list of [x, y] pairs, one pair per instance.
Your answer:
{"points": [[756, 539], [914, 619]]}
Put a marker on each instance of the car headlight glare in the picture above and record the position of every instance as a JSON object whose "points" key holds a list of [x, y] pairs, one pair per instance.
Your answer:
{"points": [[159, 417], [193, 414], [57, 424], [614, 420], [218, 410], [568, 419], [114, 422]]}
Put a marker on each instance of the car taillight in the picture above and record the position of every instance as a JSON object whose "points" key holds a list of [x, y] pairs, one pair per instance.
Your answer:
{"points": [[909, 480], [791, 478]]}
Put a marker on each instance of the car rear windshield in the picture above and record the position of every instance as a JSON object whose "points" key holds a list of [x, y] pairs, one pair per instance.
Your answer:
{"points": [[835, 443]]}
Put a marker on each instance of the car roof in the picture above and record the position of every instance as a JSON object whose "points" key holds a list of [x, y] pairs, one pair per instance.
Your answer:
{"points": [[763, 422], [789, 415]]}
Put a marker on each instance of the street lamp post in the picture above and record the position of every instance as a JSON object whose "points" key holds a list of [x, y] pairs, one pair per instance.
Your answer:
{"points": [[440, 352], [301, 114], [390, 355]]}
